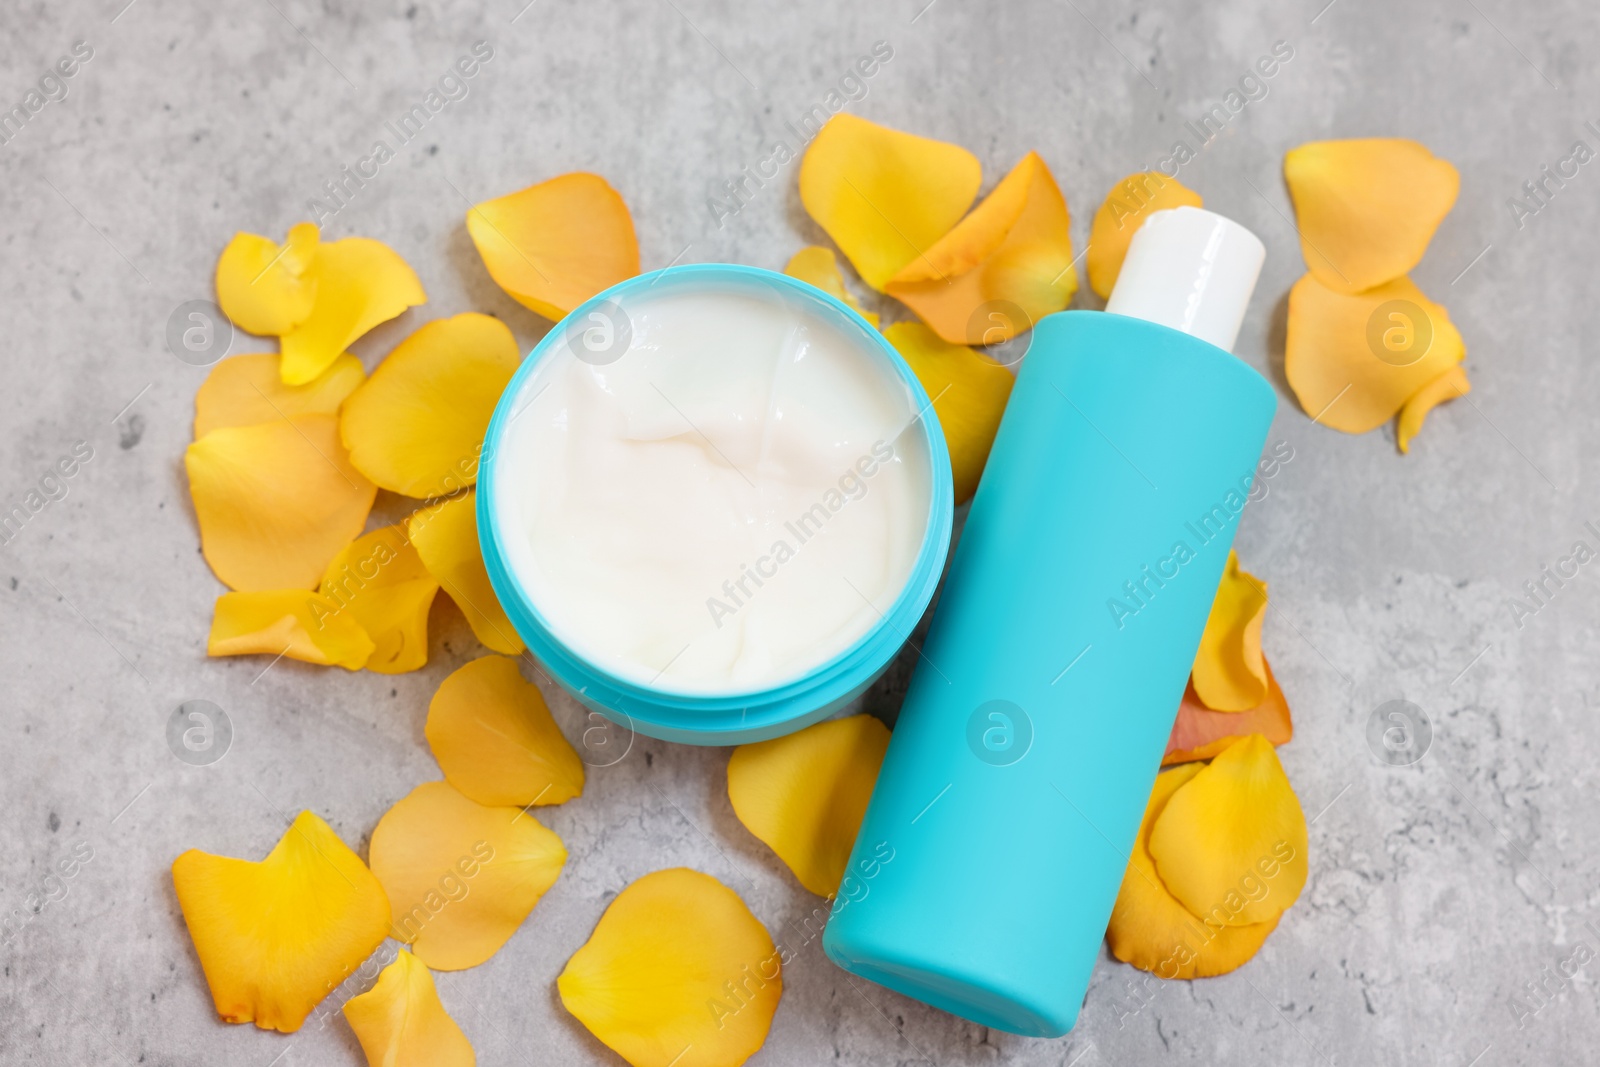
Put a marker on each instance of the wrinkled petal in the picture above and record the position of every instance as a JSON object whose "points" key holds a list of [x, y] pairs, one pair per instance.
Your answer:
{"points": [[1127, 205], [1152, 931], [820, 267], [969, 393], [804, 794], [1201, 732], [277, 936], [1002, 269], [1230, 673], [495, 740], [884, 196], [400, 1022], [461, 877], [1367, 208], [446, 537], [1449, 385], [553, 245], [379, 583], [1231, 844], [296, 623], [275, 501], [360, 283], [416, 427], [677, 973], [267, 288], [247, 390], [1353, 361]]}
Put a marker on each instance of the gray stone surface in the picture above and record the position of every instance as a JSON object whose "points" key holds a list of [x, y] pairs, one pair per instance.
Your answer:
{"points": [[1438, 891]]}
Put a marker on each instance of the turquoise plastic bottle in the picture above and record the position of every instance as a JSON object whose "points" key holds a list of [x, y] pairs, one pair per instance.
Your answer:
{"points": [[1035, 722]]}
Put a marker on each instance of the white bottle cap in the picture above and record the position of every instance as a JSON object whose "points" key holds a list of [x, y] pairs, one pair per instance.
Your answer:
{"points": [[1192, 270]]}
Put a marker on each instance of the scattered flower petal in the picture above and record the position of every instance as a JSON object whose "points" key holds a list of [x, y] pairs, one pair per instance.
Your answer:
{"points": [[296, 623], [495, 740], [461, 877], [275, 937], [248, 390], [1002, 269], [969, 393], [1231, 844], [1354, 360], [1127, 205], [1449, 385], [400, 1022], [379, 583], [553, 245], [1230, 673], [275, 501], [1201, 732], [820, 267], [677, 973], [804, 794], [360, 283], [1367, 208], [884, 196], [267, 288], [446, 537], [1152, 931]]}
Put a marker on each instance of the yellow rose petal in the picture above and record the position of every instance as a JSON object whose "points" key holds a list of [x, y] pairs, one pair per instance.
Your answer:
{"points": [[1127, 205], [969, 393], [1230, 673], [416, 427], [360, 283], [379, 583], [1353, 361], [1449, 385], [1231, 844], [1152, 931], [1002, 269], [247, 390], [677, 973], [495, 740], [461, 877], [1367, 208], [553, 245], [446, 537], [296, 623], [804, 794], [276, 501], [277, 936], [884, 196], [820, 267], [400, 1022], [267, 288], [1200, 732]]}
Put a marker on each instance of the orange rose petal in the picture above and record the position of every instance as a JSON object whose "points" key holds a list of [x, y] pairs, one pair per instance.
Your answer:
{"points": [[360, 283], [275, 937], [677, 973], [446, 537], [1152, 931], [969, 392], [461, 877], [276, 501], [804, 794], [1449, 385], [884, 196], [495, 740], [1353, 361], [820, 267], [1127, 205], [247, 390], [380, 584], [400, 1022], [1231, 844], [1367, 208], [1201, 732], [267, 288], [553, 245], [1003, 267], [296, 623], [1230, 672]]}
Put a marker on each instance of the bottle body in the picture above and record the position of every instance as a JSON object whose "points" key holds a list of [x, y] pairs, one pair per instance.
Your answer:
{"points": [[1036, 718]]}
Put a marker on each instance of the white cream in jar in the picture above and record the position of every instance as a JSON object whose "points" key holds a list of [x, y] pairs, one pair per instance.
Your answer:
{"points": [[726, 492]]}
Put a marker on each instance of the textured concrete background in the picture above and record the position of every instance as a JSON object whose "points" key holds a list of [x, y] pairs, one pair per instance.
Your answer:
{"points": [[1438, 891]]}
